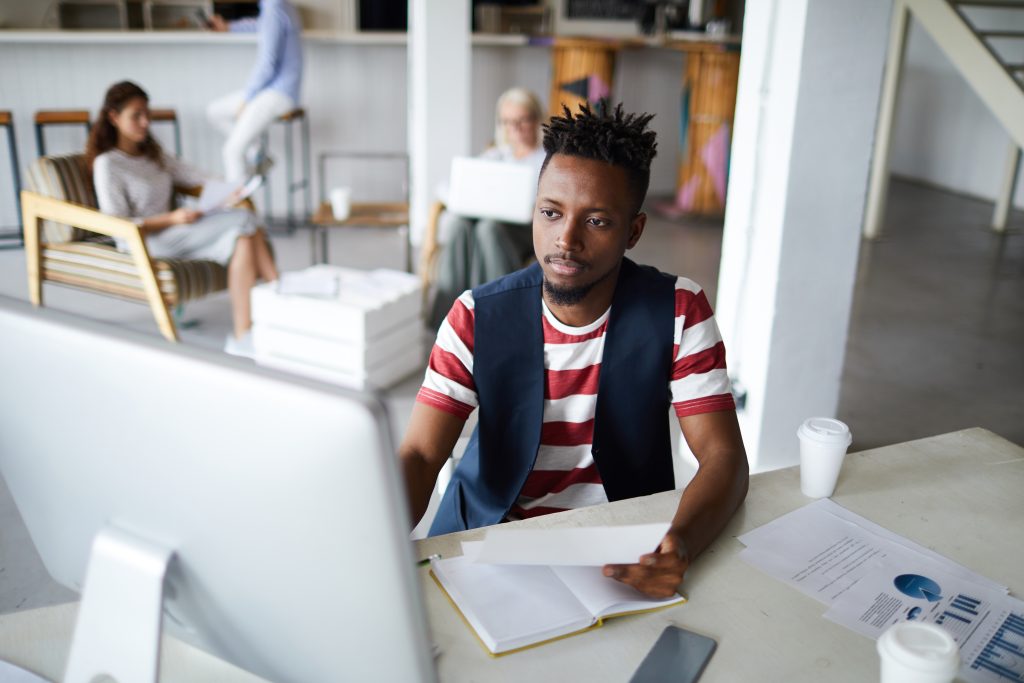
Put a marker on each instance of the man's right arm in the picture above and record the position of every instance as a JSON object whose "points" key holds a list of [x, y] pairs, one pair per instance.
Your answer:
{"points": [[427, 445]]}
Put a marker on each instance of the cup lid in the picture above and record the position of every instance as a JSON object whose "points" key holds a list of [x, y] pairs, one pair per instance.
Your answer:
{"points": [[825, 430], [920, 646]]}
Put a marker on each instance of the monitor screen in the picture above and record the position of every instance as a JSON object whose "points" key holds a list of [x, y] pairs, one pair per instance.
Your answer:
{"points": [[277, 498]]}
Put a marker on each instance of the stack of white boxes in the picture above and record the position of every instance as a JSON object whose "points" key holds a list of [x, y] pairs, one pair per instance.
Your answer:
{"points": [[356, 328]]}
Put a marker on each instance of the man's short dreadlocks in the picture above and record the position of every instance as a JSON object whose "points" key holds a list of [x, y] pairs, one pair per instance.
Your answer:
{"points": [[614, 137]]}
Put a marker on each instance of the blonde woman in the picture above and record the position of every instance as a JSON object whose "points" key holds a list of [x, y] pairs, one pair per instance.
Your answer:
{"points": [[480, 250]]}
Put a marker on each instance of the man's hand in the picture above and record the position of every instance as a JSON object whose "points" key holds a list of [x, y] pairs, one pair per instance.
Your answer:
{"points": [[217, 23], [183, 216], [657, 574]]}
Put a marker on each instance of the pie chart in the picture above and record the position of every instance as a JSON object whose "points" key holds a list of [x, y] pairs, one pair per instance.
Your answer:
{"points": [[918, 587]]}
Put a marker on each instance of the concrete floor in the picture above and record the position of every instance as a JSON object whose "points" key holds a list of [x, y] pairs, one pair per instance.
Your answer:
{"points": [[935, 336]]}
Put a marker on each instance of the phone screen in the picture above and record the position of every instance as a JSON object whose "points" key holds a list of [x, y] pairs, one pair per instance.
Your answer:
{"points": [[678, 656]]}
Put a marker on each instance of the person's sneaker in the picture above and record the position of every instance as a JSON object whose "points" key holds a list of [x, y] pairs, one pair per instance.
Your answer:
{"points": [[240, 347], [263, 166]]}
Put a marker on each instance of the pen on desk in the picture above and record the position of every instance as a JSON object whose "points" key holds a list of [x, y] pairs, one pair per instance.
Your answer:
{"points": [[426, 560]]}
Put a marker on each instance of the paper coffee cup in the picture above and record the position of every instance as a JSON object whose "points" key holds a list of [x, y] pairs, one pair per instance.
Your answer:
{"points": [[340, 206], [823, 444], [915, 652]]}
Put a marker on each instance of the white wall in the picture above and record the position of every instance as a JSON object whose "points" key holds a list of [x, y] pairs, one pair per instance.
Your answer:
{"points": [[943, 133], [808, 97], [355, 93]]}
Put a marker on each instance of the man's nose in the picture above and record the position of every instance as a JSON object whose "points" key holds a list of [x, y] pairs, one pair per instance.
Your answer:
{"points": [[569, 237]]}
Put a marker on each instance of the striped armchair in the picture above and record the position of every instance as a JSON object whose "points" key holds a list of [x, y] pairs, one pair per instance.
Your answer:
{"points": [[67, 241]]}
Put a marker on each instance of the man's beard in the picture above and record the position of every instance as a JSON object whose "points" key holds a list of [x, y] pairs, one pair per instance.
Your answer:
{"points": [[566, 296]]}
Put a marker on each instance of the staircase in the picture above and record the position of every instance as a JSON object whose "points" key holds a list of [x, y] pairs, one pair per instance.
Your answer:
{"points": [[984, 39]]}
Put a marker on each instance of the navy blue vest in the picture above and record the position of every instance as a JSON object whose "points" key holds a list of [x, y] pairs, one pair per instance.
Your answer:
{"points": [[631, 445]]}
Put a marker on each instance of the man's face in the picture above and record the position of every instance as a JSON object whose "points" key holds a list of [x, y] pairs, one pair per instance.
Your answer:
{"points": [[583, 223]]}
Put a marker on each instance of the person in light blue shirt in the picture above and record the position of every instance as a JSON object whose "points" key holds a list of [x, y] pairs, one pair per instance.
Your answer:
{"points": [[273, 87]]}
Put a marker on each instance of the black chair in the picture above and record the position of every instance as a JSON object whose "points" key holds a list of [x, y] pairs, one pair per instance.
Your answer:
{"points": [[297, 115], [12, 239]]}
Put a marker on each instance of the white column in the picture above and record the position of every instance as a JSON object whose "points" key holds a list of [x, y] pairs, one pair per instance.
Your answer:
{"points": [[809, 85], [439, 97], [878, 189], [1004, 200]]}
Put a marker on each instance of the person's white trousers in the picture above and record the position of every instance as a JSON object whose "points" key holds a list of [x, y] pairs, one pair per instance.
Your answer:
{"points": [[243, 131]]}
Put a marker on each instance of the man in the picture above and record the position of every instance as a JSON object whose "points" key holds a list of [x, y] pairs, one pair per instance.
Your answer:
{"points": [[573, 363], [272, 90]]}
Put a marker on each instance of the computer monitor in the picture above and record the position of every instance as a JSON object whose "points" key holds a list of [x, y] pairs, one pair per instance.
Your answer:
{"points": [[273, 504]]}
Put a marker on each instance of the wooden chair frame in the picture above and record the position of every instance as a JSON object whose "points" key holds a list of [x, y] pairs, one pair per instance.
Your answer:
{"points": [[429, 249], [36, 208]]}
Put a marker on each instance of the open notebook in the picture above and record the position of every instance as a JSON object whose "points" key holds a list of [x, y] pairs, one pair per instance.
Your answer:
{"points": [[511, 607]]}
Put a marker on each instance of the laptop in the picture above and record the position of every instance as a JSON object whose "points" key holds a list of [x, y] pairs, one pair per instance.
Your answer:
{"points": [[483, 188]]}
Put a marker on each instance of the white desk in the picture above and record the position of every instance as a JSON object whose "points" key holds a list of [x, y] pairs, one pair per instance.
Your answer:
{"points": [[951, 493]]}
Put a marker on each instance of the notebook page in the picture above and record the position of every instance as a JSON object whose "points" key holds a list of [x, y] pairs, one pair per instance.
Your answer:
{"points": [[511, 607], [574, 546], [603, 596]]}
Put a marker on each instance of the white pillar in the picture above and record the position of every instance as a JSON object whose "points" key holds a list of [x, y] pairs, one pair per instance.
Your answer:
{"points": [[808, 97], [878, 189], [439, 97], [1004, 200]]}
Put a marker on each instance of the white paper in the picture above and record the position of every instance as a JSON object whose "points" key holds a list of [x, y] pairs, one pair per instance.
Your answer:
{"points": [[838, 510], [217, 193], [310, 282], [587, 546], [10, 673], [823, 555], [987, 625], [602, 595], [510, 607], [471, 549]]}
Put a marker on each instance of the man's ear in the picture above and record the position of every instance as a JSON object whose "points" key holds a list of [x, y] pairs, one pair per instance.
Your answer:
{"points": [[636, 228]]}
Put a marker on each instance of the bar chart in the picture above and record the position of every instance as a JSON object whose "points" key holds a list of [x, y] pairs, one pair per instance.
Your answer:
{"points": [[1003, 654], [959, 616]]}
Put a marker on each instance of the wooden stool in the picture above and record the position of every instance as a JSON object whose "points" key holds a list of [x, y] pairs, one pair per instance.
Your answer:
{"points": [[17, 238], [168, 116], [293, 186], [58, 117]]}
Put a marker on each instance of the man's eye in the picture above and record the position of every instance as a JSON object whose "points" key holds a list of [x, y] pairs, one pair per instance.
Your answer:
{"points": [[597, 222], [548, 213]]}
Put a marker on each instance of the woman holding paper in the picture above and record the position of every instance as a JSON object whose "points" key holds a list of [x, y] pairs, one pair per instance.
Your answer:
{"points": [[135, 179]]}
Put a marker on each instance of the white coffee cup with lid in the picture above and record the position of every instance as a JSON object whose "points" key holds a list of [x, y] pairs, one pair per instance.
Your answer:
{"points": [[916, 652], [823, 444]]}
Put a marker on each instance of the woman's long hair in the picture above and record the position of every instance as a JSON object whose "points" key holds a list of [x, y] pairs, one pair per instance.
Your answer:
{"points": [[103, 135]]}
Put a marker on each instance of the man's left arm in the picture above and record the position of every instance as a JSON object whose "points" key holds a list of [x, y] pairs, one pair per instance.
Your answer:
{"points": [[706, 506]]}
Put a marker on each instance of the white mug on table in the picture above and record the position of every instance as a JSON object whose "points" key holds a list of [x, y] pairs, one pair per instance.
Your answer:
{"points": [[340, 198]]}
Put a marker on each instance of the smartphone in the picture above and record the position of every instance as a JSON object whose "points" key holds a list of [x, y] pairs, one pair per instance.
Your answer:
{"points": [[678, 656]]}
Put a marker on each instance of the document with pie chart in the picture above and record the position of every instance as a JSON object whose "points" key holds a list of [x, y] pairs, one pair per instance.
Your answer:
{"points": [[822, 549], [987, 624]]}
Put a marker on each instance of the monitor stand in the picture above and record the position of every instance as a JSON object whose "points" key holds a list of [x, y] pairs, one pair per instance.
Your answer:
{"points": [[117, 633]]}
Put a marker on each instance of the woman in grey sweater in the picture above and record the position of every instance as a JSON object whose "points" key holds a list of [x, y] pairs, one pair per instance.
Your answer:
{"points": [[135, 179]]}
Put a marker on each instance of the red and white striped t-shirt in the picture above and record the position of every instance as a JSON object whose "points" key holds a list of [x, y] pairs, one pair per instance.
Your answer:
{"points": [[564, 475]]}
